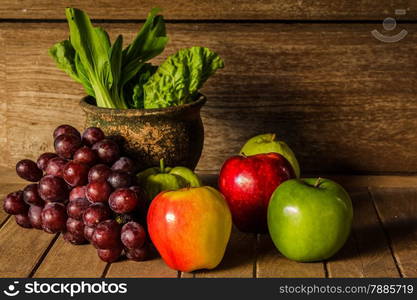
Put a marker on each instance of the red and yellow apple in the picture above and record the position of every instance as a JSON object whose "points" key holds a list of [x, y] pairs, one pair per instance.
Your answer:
{"points": [[190, 227]]}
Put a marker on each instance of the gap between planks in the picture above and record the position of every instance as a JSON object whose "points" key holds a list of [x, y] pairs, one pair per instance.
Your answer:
{"points": [[22, 250], [389, 241], [397, 209], [366, 252], [44, 254]]}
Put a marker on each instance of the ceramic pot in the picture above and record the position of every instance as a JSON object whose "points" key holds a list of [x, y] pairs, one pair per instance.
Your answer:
{"points": [[174, 133]]}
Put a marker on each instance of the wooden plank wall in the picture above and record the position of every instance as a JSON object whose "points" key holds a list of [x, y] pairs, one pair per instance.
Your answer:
{"points": [[310, 71], [213, 9]]}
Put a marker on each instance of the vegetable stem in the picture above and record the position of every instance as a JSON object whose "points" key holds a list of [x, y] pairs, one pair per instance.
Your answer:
{"points": [[162, 165], [318, 182]]}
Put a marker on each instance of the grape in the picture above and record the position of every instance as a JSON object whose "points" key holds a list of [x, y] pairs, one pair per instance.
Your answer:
{"points": [[125, 164], [110, 255], [85, 155], [23, 220], [88, 232], [118, 139], [66, 145], [52, 188], [138, 254], [141, 196], [43, 160], [133, 235], [98, 191], [56, 166], [99, 172], [14, 205], [96, 213], [77, 193], [54, 217], [107, 150], [119, 179], [81, 170], [35, 216], [107, 235], [75, 239], [75, 173], [65, 129], [28, 170], [123, 200], [138, 190], [75, 226], [76, 208], [92, 135], [31, 195]]}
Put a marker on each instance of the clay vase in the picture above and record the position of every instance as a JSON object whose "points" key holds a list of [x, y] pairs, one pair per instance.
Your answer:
{"points": [[175, 134]]}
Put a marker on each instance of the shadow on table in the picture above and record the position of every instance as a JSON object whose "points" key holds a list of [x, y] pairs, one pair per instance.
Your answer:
{"points": [[370, 237], [240, 253]]}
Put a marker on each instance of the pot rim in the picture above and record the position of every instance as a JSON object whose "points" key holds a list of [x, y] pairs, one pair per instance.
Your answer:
{"points": [[201, 100]]}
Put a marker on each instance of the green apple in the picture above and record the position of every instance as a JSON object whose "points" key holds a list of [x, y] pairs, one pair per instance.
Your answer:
{"points": [[189, 176], [157, 179], [309, 219], [266, 143]]}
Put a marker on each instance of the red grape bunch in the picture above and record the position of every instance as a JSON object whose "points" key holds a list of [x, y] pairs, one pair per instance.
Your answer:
{"points": [[86, 191]]}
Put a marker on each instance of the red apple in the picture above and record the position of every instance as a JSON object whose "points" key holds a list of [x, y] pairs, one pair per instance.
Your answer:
{"points": [[247, 182]]}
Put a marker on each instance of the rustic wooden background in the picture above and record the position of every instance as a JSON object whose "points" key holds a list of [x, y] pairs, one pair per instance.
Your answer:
{"points": [[308, 70]]}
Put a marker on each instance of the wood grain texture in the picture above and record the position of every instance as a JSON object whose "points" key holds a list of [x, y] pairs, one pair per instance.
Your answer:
{"points": [[338, 97], [270, 263], [213, 9], [348, 181], [238, 261], [40, 97], [366, 253], [388, 181], [8, 176], [3, 104], [397, 209], [21, 249], [67, 260]]}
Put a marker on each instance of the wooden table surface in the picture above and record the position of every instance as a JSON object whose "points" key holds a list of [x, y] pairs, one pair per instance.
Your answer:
{"points": [[383, 242]]}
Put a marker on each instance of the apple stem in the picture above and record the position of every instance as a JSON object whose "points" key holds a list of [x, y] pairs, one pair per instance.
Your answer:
{"points": [[318, 181], [273, 137], [244, 155], [162, 165]]}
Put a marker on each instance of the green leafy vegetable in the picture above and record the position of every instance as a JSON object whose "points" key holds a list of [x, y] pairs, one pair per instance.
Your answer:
{"points": [[83, 77], [92, 45], [134, 88], [64, 55], [67, 60], [122, 78], [115, 54], [149, 42], [179, 78]]}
